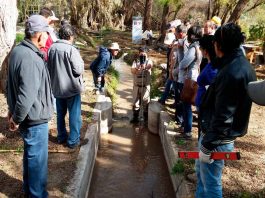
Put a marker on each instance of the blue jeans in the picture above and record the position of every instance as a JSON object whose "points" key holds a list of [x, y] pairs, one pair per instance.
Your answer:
{"points": [[73, 104], [187, 114], [99, 85], [35, 160], [165, 94], [209, 176]]}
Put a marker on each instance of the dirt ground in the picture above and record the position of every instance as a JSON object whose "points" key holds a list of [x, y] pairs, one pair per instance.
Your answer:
{"points": [[243, 178], [62, 160]]}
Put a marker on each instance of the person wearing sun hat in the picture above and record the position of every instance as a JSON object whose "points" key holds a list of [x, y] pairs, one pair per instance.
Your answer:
{"points": [[30, 104], [101, 64]]}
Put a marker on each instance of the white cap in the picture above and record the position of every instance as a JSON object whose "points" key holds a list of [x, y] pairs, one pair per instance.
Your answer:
{"points": [[170, 37], [175, 23], [53, 17], [114, 46]]}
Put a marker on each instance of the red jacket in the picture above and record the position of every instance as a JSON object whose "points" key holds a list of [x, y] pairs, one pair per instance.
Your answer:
{"points": [[45, 49]]}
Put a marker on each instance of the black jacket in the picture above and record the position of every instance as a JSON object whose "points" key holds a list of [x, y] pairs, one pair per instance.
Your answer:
{"points": [[29, 96], [226, 106]]}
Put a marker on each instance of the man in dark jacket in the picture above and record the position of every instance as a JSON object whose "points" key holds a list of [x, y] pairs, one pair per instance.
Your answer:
{"points": [[225, 109], [66, 67], [101, 64], [30, 104]]}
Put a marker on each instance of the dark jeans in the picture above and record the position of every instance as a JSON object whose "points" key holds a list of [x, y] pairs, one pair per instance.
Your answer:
{"points": [[187, 114], [35, 160], [167, 90], [73, 104], [99, 85]]}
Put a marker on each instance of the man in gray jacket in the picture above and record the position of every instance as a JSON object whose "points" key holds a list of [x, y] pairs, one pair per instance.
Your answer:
{"points": [[30, 104], [66, 67]]}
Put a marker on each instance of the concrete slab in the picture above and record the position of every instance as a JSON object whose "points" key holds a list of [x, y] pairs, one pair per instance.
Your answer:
{"points": [[170, 152]]}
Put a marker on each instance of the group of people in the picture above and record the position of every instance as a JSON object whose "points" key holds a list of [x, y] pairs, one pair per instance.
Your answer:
{"points": [[42, 69], [212, 57]]}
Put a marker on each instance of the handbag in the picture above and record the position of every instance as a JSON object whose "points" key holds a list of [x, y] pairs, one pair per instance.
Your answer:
{"points": [[189, 91], [190, 87]]}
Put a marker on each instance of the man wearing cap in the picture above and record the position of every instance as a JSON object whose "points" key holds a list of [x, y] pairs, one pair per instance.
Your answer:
{"points": [[101, 64], [141, 70], [66, 67], [30, 104]]}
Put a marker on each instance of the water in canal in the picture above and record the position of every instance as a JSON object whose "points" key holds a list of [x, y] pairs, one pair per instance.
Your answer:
{"points": [[130, 164]]}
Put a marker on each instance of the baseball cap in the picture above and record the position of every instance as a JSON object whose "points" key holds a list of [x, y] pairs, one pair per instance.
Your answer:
{"points": [[37, 23], [53, 17], [256, 91]]}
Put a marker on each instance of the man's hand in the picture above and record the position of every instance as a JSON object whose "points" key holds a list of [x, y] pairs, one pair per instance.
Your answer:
{"points": [[205, 157], [99, 78], [12, 125]]}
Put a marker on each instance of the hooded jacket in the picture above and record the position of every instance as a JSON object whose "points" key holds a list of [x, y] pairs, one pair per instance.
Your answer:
{"points": [[29, 95], [101, 64], [226, 106]]}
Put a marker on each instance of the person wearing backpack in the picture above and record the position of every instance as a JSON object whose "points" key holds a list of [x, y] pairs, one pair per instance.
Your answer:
{"points": [[101, 64], [224, 109]]}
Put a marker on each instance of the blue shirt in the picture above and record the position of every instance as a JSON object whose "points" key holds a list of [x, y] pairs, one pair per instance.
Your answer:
{"points": [[205, 78]]}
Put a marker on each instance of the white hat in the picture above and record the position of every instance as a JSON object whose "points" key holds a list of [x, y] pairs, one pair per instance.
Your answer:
{"points": [[256, 91], [170, 37], [175, 23], [53, 17], [114, 46]]}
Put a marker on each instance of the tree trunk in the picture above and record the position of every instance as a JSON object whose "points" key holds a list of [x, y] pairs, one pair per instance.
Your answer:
{"points": [[238, 10], [8, 19], [147, 14], [164, 21]]}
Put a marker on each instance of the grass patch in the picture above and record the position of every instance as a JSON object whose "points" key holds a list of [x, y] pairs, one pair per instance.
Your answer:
{"points": [[112, 83], [19, 37], [155, 82], [178, 168], [180, 142]]}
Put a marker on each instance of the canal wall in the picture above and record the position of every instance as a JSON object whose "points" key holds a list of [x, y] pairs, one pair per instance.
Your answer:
{"points": [[101, 124]]}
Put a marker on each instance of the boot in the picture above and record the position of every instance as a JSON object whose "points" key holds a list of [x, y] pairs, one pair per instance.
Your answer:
{"points": [[135, 118]]}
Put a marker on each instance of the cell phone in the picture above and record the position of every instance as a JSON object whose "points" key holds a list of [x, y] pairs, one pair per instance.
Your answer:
{"points": [[142, 59]]}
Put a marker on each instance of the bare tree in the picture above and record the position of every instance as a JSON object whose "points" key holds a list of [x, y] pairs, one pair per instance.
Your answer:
{"points": [[238, 10], [147, 14], [8, 19]]}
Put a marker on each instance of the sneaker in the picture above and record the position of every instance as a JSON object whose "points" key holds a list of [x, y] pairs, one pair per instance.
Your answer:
{"points": [[73, 146], [187, 136]]}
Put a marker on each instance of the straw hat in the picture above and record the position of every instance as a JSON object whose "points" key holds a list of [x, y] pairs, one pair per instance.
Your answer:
{"points": [[256, 91]]}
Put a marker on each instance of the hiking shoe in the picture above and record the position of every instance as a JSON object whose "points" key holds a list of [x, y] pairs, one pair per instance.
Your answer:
{"points": [[187, 136]]}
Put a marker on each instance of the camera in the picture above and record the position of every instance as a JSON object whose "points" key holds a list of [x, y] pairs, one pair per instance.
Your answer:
{"points": [[142, 59]]}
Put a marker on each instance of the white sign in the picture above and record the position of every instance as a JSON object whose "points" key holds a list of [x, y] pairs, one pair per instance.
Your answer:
{"points": [[137, 30]]}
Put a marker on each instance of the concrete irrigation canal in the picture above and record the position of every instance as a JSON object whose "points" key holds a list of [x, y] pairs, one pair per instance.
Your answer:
{"points": [[126, 160]]}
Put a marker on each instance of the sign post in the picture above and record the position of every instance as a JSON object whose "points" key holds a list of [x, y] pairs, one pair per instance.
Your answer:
{"points": [[137, 31]]}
